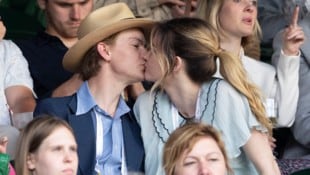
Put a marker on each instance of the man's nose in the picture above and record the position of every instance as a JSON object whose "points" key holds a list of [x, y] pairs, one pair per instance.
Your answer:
{"points": [[75, 12]]}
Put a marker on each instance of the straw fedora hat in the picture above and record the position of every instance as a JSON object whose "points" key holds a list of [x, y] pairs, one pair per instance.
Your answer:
{"points": [[99, 25]]}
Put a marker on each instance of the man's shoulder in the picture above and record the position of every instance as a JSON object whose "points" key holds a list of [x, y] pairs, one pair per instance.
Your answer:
{"points": [[42, 47], [55, 106], [57, 100], [8, 46], [41, 39]]}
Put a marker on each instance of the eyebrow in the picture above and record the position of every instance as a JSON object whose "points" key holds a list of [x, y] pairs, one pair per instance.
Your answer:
{"points": [[209, 154], [64, 2], [138, 39]]}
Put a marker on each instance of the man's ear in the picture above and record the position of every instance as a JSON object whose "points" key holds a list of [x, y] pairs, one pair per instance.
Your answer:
{"points": [[42, 4], [31, 162], [178, 64], [104, 50]]}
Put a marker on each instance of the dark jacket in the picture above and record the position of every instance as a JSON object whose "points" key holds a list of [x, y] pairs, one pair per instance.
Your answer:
{"points": [[85, 133]]}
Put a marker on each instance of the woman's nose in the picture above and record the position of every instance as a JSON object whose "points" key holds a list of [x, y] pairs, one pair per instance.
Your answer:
{"points": [[146, 54], [250, 5], [69, 156], [204, 169]]}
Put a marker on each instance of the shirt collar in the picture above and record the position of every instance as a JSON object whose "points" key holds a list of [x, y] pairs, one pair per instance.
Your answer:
{"points": [[44, 38], [85, 102]]}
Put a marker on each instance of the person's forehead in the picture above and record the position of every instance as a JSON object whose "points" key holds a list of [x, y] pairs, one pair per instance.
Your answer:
{"points": [[132, 34], [70, 1]]}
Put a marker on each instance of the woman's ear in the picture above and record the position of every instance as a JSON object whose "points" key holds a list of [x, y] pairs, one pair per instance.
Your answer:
{"points": [[104, 50], [31, 162], [178, 64]]}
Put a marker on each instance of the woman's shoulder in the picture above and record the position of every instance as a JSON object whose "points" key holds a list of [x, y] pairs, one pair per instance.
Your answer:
{"points": [[220, 87]]}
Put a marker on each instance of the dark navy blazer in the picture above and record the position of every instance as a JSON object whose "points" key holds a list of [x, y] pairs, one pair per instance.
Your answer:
{"points": [[84, 130]]}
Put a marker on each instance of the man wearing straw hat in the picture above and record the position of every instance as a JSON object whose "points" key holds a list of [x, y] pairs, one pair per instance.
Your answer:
{"points": [[109, 55]]}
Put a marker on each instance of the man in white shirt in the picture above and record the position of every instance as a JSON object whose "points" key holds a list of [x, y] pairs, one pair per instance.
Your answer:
{"points": [[16, 95]]}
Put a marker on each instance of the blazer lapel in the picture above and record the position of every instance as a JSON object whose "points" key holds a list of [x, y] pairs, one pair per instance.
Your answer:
{"points": [[133, 145], [83, 127]]}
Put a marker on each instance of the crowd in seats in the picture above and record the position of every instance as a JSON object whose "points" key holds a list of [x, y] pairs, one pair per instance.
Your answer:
{"points": [[131, 77]]}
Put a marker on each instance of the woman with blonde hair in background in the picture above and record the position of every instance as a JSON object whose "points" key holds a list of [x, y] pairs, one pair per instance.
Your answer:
{"points": [[195, 149], [184, 52], [47, 146], [236, 22]]}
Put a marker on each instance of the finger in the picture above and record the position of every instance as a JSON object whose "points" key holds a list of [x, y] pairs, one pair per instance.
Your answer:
{"points": [[289, 30], [299, 38], [178, 9], [194, 3], [178, 2], [3, 140], [188, 7], [194, 6], [295, 17], [295, 34], [296, 37]]}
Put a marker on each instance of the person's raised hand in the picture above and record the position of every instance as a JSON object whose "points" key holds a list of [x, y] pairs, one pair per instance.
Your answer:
{"points": [[293, 36], [3, 144], [188, 9]]}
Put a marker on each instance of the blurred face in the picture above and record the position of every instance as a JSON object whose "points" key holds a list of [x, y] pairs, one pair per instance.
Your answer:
{"points": [[152, 68], [241, 13], [57, 155], [205, 158], [64, 16], [128, 54]]}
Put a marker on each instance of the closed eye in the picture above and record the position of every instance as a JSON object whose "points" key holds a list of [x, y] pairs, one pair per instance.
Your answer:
{"points": [[57, 148], [73, 148], [189, 163], [213, 160]]}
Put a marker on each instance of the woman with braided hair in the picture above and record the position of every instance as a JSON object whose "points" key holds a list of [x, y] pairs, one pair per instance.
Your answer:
{"points": [[185, 54]]}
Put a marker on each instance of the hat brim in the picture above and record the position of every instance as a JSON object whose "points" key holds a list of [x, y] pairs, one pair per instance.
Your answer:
{"points": [[74, 55]]}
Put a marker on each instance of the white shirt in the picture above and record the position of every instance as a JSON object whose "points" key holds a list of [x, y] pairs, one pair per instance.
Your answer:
{"points": [[13, 71], [279, 83]]}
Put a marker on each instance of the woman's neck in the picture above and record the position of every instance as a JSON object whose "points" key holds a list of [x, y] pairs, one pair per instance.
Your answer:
{"points": [[184, 96], [232, 45]]}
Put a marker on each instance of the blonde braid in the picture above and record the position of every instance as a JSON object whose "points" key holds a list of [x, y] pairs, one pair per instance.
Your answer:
{"points": [[233, 71]]}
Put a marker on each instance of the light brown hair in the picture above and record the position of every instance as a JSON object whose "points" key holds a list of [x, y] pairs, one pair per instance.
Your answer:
{"points": [[31, 138], [183, 139]]}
